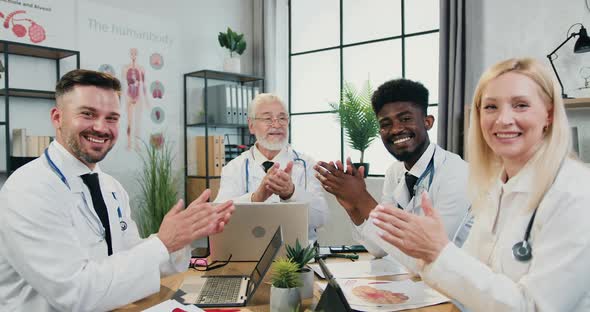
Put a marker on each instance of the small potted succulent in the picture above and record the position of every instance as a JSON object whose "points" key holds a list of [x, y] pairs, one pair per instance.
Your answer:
{"points": [[285, 292], [356, 115], [236, 44], [301, 256]]}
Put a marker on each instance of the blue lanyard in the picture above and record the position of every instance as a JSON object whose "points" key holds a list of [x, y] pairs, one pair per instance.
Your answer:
{"points": [[429, 171], [297, 158], [62, 177], [56, 169]]}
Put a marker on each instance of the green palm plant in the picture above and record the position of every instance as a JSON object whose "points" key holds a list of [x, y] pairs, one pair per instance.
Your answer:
{"points": [[356, 116], [233, 41], [301, 256], [158, 187], [285, 274]]}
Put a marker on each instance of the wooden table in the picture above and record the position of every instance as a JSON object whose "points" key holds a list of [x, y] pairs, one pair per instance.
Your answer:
{"points": [[260, 301]]}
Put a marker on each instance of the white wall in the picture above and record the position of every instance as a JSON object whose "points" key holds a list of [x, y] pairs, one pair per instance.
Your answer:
{"points": [[502, 29]]}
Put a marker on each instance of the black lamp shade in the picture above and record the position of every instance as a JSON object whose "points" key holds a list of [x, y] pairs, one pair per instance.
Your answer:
{"points": [[583, 43]]}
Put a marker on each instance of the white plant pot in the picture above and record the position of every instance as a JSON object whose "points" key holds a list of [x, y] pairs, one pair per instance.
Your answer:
{"points": [[284, 299], [306, 277], [232, 64]]}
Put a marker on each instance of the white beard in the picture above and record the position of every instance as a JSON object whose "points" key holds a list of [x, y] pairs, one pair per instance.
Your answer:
{"points": [[272, 146]]}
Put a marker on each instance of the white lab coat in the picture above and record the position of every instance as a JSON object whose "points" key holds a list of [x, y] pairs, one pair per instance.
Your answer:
{"points": [[54, 256], [484, 276], [448, 193], [234, 181]]}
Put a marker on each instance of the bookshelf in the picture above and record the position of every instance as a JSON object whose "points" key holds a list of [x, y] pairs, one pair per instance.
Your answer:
{"points": [[204, 108], [9, 49]]}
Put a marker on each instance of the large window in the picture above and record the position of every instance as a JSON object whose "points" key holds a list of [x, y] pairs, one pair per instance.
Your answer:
{"points": [[333, 41]]}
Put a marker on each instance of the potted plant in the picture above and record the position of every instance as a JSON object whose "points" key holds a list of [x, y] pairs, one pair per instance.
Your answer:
{"points": [[356, 116], [236, 45], [158, 187], [301, 256], [285, 294]]}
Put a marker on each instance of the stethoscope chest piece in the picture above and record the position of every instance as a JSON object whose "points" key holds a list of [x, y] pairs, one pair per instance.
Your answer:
{"points": [[123, 225], [522, 251]]}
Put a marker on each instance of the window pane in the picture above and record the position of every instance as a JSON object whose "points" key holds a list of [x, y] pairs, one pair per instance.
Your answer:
{"points": [[421, 15], [378, 62], [316, 135], [315, 81], [433, 132], [314, 24], [376, 155], [368, 20], [422, 62]]}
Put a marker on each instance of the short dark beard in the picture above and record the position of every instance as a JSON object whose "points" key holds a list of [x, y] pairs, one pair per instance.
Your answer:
{"points": [[75, 147], [411, 156]]}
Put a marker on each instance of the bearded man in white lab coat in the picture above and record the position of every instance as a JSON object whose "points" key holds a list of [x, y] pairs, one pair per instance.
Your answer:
{"points": [[401, 109], [68, 242], [272, 171]]}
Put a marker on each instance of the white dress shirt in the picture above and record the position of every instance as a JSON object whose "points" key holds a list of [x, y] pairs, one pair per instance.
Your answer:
{"points": [[484, 276], [448, 193], [54, 254], [239, 186]]}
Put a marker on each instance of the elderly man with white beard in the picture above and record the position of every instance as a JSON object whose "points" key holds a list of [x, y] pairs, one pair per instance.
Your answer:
{"points": [[271, 170]]}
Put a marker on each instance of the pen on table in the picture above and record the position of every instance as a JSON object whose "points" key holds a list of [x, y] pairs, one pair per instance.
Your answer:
{"points": [[222, 310], [345, 256]]}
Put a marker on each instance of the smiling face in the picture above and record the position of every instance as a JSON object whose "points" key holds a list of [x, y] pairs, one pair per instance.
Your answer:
{"points": [[513, 115], [403, 129], [87, 122], [271, 136]]}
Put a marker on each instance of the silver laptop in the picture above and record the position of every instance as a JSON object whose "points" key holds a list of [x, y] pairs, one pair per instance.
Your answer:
{"points": [[251, 226], [229, 290]]}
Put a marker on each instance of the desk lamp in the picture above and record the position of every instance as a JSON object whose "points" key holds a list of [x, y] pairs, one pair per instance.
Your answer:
{"points": [[582, 45]]}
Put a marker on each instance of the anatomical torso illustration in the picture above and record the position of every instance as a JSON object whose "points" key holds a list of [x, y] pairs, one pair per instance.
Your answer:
{"points": [[136, 98]]}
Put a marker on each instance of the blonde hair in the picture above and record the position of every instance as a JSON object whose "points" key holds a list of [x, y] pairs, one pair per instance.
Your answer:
{"points": [[485, 165], [263, 98]]}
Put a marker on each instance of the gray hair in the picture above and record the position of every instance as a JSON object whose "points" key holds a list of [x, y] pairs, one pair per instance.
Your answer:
{"points": [[263, 98]]}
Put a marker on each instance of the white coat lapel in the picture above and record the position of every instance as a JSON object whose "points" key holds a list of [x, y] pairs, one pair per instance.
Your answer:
{"points": [[84, 204], [400, 193]]}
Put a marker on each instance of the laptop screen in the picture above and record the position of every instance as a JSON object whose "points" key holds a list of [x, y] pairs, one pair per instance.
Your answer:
{"points": [[265, 261]]}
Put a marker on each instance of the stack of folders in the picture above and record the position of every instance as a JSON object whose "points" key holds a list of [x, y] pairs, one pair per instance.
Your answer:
{"points": [[228, 104], [28, 146], [212, 155]]}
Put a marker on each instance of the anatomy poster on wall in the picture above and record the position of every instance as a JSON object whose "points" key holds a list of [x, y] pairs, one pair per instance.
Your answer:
{"points": [[42, 22], [133, 47]]}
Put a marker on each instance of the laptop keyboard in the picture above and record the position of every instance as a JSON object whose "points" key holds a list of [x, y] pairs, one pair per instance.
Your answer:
{"points": [[220, 290]]}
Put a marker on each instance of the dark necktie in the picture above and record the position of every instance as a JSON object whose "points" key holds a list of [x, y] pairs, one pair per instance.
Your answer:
{"points": [[410, 182], [267, 165], [91, 180]]}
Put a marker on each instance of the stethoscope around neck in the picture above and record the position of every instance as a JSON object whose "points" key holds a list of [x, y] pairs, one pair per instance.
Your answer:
{"points": [[523, 251], [62, 177], [295, 159]]}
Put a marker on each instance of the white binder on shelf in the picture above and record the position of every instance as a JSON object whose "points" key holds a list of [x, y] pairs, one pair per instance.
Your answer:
{"points": [[231, 104], [244, 94], [249, 97], [240, 105]]}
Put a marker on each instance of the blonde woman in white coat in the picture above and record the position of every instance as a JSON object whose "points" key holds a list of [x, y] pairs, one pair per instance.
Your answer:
{"points": [[521, 177]]}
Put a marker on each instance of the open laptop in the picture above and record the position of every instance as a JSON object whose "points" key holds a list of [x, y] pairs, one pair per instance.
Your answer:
{"points": [[251, 226], [229, 290], [332, 298]]}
